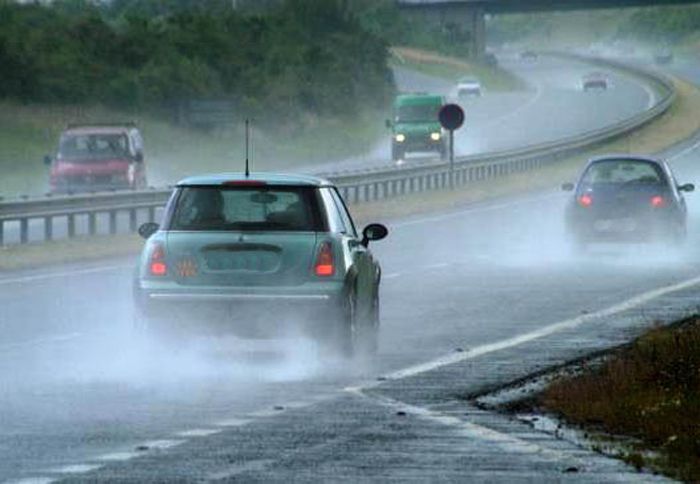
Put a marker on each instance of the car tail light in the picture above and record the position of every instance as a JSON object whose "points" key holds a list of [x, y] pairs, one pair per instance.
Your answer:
{"points": [[585, 200], [657, 201], [324, 266], [156, 263]]}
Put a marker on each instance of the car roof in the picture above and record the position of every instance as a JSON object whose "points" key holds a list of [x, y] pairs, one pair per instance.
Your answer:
{"points": [[280, 179], [98, 130], [626, 157]]}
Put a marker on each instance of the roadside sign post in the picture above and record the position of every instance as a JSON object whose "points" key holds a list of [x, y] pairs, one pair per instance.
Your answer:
{"points": [[451, 118]]}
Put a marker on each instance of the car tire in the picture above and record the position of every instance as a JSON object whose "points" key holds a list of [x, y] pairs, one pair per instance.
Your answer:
{"points": [[397, 153], [357, 331]]}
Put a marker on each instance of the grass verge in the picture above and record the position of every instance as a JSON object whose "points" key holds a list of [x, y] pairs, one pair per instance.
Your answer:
{"points": [[679, 123], [27, 133], [451, 69], [649, 391]]}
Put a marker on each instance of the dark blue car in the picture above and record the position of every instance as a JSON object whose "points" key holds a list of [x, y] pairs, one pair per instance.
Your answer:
{"points": [[626, 198]]}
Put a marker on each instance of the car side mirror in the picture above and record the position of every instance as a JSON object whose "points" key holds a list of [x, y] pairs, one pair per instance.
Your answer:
{"points": [[148, 229], [138, 157], [47, 160], [688, 187], [374, 232], [568, 187], [388, 123]]}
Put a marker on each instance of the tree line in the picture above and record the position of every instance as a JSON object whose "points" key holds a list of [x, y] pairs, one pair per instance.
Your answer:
{"points": [[298, 59]]}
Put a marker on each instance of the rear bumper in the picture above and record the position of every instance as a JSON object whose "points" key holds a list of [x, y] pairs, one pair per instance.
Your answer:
{"points": [[238, 307], [419, 145], [629, 229], [253, 298]]}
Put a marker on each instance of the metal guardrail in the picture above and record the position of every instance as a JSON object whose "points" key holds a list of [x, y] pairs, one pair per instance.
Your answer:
{"points": [[356, 186]]}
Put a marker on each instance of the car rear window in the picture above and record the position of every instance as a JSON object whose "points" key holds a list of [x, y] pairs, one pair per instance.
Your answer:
{"points": [[623, 171], [208, 208]]}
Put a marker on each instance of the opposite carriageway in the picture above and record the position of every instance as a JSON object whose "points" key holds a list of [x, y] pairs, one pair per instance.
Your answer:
{"points": [[123, 210]]}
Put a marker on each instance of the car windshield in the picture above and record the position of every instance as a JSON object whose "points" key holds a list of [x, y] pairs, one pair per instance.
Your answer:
{"points": [[623, 172], [418, 113], [93, 146], [240, 209]]}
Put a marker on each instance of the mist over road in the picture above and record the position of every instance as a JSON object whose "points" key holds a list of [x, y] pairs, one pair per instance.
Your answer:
{"points": [[81, 398]]}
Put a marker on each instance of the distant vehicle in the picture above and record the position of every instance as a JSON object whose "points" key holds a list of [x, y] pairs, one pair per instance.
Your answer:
{"points": [[594, 80], [626, 198], [256, 255], [468, 86], [529, 55], [415, 126], [97, 157], [663, 57]]}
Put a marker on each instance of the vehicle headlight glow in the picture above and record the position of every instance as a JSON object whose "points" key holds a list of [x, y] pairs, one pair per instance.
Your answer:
{"points": [[400, 138], [435, 136]]}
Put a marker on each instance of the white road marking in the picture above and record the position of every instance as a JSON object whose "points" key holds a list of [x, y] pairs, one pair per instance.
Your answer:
{"points": [[485, 208], [79, 468], [198, 433], [33, 480], [452, 358], [119, 456], [684, 152], [61, 338], [516, 112], [233, 422], [59, 275], [507, 442], [393, 275]]}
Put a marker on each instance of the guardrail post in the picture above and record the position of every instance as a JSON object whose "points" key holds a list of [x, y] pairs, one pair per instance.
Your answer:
{"points": [[151, 214], [71, 225], [2, 233], [132, 220], [112, 222], [48, 228], [92, 223], [366, 190], [356, 190], [23, 231]]}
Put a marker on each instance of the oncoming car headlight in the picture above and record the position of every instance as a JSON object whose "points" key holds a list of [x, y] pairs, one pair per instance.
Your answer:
{"points": [[400, 138], [435, 136]]}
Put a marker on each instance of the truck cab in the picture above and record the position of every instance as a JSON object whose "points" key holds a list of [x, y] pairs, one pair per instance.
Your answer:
{"points": [[97, 157], [415, 125]]}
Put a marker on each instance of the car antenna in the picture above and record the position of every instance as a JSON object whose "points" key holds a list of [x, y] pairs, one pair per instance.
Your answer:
{"points": [[247, 147]]}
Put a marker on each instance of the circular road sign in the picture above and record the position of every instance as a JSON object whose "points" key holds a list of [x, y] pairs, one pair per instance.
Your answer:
{"points": [[451, 117]]}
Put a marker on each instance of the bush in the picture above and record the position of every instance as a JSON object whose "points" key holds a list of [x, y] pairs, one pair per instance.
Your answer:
{"points": [[306, 57]]}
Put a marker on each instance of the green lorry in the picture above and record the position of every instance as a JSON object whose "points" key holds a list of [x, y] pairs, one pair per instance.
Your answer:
{"points": [[415, 125]]}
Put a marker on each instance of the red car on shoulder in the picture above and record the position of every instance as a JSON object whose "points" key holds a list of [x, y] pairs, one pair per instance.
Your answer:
{"points": [[98, 157]]}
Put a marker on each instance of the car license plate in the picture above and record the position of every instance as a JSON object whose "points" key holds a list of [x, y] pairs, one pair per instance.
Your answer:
{"points": [[615, 226]]}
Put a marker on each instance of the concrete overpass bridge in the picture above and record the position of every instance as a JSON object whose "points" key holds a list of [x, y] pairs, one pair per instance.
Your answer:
{"points": [[470, 13]]}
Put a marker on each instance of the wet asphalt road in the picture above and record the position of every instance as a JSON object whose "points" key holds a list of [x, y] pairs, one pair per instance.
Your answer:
{"points": [[500, 121], [497, 121], [80, 398]]}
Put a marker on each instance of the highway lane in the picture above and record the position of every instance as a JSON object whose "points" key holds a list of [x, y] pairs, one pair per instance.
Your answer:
{"points": [[76, 390], [506, 120], [498, 121]]}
